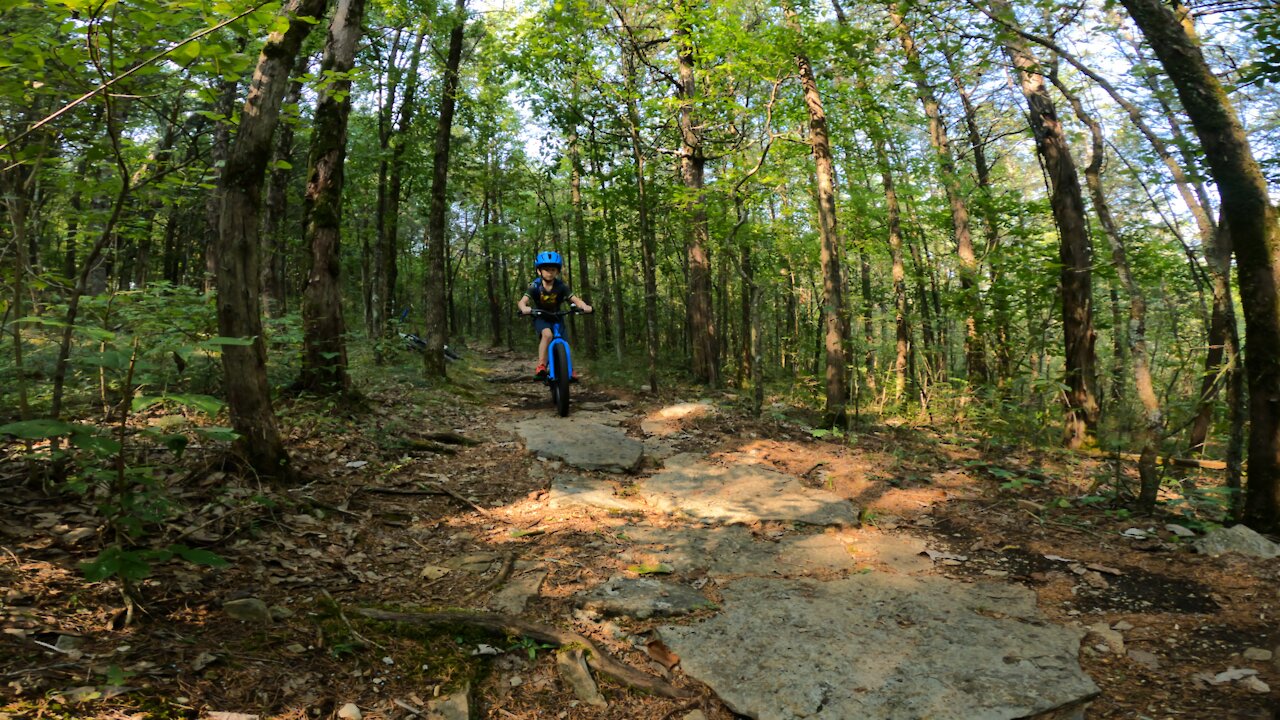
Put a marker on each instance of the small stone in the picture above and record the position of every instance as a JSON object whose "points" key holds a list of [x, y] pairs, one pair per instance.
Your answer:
{"points": [[1122, 626], [1111, 641], [67, 643], [248, 610], [280, 612], [1232, 675], [433, 572], [645, 389], [455, 706], [696, 715], [996, 573], [1179, 530], [1254, 684], [296, 648], [1257, 654], [1146, 659], [350, 712], [203, 660]]}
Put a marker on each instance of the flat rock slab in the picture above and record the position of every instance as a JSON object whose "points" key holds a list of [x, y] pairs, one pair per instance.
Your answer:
{"points": [[742, 494], [881, 645], [643, 598], [734, 551], [575, 492], [582, 443]]}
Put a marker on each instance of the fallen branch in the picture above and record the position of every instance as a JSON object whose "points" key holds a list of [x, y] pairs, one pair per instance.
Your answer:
{"points": [[509, 625], [430, 446], [457, 496], [399, 491], [451, 438], [1173, 461]]}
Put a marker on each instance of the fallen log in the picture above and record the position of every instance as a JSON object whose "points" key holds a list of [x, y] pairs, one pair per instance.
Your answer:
{"points": [[497, 622]]}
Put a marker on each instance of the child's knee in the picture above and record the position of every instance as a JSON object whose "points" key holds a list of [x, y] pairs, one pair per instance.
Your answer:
{"points": [[547, 334]]}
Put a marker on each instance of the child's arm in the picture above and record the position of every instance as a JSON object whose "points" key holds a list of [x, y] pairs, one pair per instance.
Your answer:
{"points": [[523, 304], [580, 304]]}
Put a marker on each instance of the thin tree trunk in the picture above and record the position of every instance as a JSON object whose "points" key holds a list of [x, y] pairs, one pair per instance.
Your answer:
{"points": [[324, 347], [647, 259], [1074, 250], [217, 157], [239, 310], [706, 363], [836, 332], [580, 236], [1251, 221], [274, 212], [1153, 417], [902, 331], [436, 255], [975, 352]]}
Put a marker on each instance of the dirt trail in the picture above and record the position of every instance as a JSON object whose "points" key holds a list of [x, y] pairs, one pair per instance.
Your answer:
{"points": [[667, 557]]}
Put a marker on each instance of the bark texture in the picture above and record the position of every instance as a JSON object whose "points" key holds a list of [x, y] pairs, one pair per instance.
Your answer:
{"points": [[437, 299], [239, 308], [324, 348], [1251, 220], [1075, 249]]}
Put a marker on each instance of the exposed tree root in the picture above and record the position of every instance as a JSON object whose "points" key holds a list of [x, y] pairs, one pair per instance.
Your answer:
{"points": [[497, 622]]}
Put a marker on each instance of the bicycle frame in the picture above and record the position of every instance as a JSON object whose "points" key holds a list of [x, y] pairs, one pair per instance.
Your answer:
{"points": [[558, 339]]}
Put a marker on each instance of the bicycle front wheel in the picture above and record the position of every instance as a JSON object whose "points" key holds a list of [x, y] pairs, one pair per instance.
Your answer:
{"points": [[560, 378]]}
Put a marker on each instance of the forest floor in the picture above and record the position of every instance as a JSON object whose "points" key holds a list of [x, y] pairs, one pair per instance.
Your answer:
{"points": [[395, 514]]}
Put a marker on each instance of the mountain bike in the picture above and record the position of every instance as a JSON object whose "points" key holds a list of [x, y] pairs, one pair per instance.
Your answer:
{"points": [[559, 360]]}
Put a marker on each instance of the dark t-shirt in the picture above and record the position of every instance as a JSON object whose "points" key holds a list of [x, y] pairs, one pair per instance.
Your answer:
{"points": [[549, 300]]}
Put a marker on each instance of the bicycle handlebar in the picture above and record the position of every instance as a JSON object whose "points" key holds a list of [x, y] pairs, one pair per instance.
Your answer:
{"points": [[536, 312]]}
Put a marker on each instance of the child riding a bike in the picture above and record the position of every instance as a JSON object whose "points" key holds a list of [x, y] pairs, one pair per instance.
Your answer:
{"points": [[547, 293]]}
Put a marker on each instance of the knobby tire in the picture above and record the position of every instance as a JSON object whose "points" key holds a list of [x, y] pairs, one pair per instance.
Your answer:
{"points": [[560, 382]]}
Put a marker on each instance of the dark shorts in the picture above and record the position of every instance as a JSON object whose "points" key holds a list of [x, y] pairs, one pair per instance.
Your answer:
{"points": [[540, 324]]}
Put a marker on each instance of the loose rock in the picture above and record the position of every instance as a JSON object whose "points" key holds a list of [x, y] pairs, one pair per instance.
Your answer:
{"points": [[350, 712], [248, 610], [1112, 640], [572, 665], [456, 706], [1238, 539], [1257, 654]]}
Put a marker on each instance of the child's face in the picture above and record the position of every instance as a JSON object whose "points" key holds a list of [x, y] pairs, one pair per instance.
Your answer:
{"points": [[549, 272]]}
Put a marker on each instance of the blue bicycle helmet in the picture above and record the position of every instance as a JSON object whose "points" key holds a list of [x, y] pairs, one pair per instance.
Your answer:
{"points": [[548, 257]]}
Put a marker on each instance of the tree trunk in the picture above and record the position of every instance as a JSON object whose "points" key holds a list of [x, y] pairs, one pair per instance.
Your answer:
{"points": [[647, 252], [274, 212], [324, 348], [975, 352], [902, 331], [1153, 418], [1074, 250], [435, 261], [836, 333], [385, 267], [239, 311], [217, 156], [1251, 221], [580, 236], [706, 363]]}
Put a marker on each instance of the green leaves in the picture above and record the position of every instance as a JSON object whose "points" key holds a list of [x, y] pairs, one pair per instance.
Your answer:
{"points": [[41, 429], [134, 565]]}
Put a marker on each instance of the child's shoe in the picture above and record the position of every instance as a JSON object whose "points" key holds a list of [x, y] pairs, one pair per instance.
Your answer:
{"points": [[541, 372], [574, 377]]}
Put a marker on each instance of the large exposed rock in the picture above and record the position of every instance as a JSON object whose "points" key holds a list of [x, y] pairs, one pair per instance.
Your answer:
{"points": [[880, 645], [732, 550], [576, 491], [582, 443], [741, 494], [643, 598], [1237, 539], [526, 583]]}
